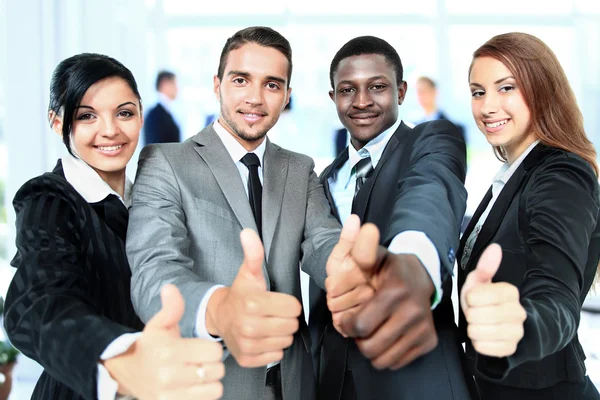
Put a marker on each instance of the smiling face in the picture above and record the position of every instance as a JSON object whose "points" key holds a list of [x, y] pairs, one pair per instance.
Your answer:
{"points": [[253, 92], [499, 108], [366, 95], [106, 127]]}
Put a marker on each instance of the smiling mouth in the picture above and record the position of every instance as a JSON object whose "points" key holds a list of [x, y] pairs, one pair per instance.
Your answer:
{"points": [[496, 124], [109, 148], [252, 115]]}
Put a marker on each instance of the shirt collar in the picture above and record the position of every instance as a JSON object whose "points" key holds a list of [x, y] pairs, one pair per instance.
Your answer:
{"points": [[89, 184], [507, 171], [374, 148], [234, 148]]}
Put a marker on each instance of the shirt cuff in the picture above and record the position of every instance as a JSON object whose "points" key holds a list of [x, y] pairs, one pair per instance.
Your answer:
{"points": [[200, 329], [417, 243], [107, 386]]}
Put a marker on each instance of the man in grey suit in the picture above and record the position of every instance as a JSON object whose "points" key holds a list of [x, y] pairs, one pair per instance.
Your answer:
{"points": [[190, 203]]}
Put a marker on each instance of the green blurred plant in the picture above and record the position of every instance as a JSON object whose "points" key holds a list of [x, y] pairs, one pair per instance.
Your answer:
{"points": [[8, 354]]}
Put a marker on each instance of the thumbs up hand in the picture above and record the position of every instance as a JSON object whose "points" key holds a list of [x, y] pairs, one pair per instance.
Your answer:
{"points": [[346, 284], [160, 364], [255, 324], [493, 311]]}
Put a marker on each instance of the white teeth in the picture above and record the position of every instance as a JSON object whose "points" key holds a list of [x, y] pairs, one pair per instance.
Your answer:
{"points": [[252, 115], [496, 124], [110, 148]]}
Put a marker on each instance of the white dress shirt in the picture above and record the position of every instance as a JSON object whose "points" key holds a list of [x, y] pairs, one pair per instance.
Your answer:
{"points": [[236, 151], [93, 189], [341, 186], [504, 174]]}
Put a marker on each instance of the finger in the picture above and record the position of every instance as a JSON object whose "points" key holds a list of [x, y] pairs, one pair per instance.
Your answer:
{"points": [[497, 314], [499, 348], [407, 325], [342, 249], [251, 346], [414, 353], [358, 296], [259, 360], [489, 294], [366, 252], [497, 332], [344, 281], [374, 312], [269, 326], [184, 375], [254, 256], [274, 304], [406, 349], [171, 312], [487, 266], [193, 351], [205, 391]]}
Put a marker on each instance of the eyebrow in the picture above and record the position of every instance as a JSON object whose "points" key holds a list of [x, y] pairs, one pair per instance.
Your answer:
{"points": [[373, 78], [247, 75], [119, 106], [495, 83]]}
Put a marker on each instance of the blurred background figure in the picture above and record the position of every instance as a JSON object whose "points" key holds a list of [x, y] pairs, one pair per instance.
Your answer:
{"points": [[160, 125], [427, 98]]}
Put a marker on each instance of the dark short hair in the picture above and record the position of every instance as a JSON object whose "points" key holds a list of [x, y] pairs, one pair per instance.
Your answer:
{"points": [[261, 35], [367, 45], [162, 76], [73, 76]]}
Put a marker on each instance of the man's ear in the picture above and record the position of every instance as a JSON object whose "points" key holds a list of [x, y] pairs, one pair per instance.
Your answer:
{"points": [[56, 123], [289, 96], [332, 95], [216, 87], [402, 92]]}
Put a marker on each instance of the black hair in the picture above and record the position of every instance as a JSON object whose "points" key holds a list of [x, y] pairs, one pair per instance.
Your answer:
{"points": [[261, 35], [367, 45], [162, 76], [73, 76]]}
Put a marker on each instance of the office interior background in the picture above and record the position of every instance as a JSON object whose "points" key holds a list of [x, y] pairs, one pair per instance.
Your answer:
{"points": [[435, 38]]}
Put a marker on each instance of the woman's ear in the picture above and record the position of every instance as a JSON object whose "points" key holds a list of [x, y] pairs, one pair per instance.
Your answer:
{"points": [[56, 123]]}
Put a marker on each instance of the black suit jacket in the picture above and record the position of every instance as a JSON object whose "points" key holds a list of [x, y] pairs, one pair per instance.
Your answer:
{"points": [[160, 127], [69, 297], [546, 220], [417, 185]]}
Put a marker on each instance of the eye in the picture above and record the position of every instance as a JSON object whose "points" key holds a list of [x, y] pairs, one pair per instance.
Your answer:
{"points": [[239, 81], [272, 85], [507, 88], [125, 114], [378, 87], [85, 117], [477, 93], [346, 90]]}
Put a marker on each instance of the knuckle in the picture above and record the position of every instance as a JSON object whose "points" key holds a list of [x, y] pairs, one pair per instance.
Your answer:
{"points": [[251, 305], [248, 330], [214, 390]]}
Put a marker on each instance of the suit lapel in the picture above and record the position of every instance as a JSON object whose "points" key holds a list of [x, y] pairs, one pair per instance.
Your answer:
{"points": [[214, 153], [473, 222], [330, 171], [275, 173], [359, 206]]}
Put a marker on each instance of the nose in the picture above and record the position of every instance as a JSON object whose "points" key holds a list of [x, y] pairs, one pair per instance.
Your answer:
{"points": [[491, 104], [362, 99], [110, 127], [254, 94]]}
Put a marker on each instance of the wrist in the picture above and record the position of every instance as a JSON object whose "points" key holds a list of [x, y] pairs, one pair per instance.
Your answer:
{"points": [[119, 368], [213, 316]]}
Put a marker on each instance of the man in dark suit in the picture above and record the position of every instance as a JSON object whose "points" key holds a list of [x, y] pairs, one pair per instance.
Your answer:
{"points": [[409, 183], [160, 125]]}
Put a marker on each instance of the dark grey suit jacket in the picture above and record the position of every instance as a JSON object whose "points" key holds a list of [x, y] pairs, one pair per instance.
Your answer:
{"points": [[189, 207], [417, 185]]}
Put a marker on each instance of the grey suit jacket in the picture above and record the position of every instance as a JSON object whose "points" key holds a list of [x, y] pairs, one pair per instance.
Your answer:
{"points": [[189, 207]]}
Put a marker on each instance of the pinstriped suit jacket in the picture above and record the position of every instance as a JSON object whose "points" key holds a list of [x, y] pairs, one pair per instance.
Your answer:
{"points": [[70, 296], [189, 207]]}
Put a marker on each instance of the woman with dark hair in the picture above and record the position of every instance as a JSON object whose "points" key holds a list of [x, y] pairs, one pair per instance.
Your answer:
{"points": [[521, 306], [68, 306]]}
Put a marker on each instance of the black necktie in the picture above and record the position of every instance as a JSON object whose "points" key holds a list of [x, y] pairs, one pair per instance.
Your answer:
{"points": [[363, 170], [252, 162]]}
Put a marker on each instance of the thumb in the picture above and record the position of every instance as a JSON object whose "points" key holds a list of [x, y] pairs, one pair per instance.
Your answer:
{"points": [[337, 258], [486, 268], [171, 312], [367, 253], [254, 256]]}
